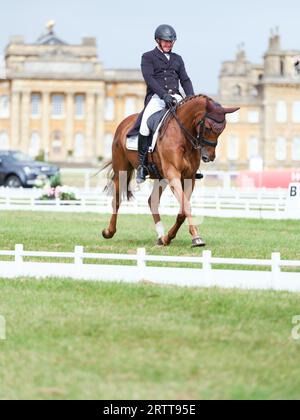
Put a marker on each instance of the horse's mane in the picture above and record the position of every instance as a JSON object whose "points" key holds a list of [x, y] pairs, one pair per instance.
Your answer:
{"points": [[191, 98], [179, 106]]}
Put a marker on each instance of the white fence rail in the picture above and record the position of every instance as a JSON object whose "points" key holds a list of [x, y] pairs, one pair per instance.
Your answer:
{"points": [[203, 275], [205, 202]]}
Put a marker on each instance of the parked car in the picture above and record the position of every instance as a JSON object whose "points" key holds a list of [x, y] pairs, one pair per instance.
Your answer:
{"points": [[19, 170]]}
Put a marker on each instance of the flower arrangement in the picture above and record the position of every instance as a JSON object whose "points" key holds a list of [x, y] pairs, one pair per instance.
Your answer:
{"points": [[55, 191], [58, 193]]}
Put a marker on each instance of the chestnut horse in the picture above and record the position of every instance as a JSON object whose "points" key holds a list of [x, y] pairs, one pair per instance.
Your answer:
{"points": [[188, 135]]}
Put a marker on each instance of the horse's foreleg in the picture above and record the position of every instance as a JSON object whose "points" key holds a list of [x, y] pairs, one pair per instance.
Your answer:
{"points": [[154, 199], [188, 186], [183, 196]]}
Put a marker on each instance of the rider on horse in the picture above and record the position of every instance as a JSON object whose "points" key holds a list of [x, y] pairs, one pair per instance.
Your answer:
{"points": [[162, 70]]}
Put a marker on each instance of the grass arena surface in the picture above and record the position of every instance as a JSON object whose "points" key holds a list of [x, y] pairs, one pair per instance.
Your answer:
{"points": [[80, 340]]}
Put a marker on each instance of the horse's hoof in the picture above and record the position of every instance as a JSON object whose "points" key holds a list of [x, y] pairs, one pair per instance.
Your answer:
{"points": [[107, 234], [198, 242], [165, 240], [160, 242]]}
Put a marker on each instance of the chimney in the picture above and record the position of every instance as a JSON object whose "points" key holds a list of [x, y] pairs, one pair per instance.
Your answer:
{"points": [[275, 42], [16, 39], [89, 42]]}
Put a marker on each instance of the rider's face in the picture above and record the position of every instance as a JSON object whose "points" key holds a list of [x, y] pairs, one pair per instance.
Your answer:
{"points": [[166, 46]]}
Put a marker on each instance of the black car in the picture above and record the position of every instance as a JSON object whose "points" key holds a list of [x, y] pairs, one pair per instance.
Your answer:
{"points": [[18, 170]]}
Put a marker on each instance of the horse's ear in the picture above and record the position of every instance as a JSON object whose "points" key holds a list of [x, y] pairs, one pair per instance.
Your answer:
{"points": [[230, 110]]}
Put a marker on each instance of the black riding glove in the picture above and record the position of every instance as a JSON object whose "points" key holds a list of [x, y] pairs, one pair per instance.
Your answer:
{"points": [[169, 100]]}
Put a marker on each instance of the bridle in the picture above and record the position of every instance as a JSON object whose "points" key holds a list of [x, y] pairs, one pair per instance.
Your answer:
{"points": [[200, 141]]}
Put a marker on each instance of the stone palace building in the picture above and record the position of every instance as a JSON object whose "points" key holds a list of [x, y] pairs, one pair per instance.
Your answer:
{"points": [[57, 100]]}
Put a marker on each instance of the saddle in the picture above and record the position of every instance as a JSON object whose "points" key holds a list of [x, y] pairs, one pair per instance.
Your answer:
{"points": [[154, 123]]}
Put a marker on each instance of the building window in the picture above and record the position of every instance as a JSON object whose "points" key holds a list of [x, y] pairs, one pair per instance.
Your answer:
{"points": [[233, 118], [233, 148], [4, 141], [254, 92], [281, 112], [281, 149], [35, 105], [108, 141], [109, 109], [34, 144], [253, 117], [4, 106], [79, 106], [296, 149], [296, 112], [282, 67], [237, 90], [130, 106], [253, 148], [58, 108], [79, 145], [56, 143]]}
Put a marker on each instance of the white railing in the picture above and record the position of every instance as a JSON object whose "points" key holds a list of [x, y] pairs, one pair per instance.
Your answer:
{"points": [[203, 275], [145, 190], [206, 202]]}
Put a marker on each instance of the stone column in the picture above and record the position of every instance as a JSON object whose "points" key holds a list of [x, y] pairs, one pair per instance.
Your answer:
{"points": [[45, 123], [15, 120], [70, 123], [25, 115], [99, 146], [119, 108], [90, 126]]}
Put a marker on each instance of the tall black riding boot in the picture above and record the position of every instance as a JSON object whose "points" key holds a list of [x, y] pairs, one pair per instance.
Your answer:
{"points": [[142, 171]]}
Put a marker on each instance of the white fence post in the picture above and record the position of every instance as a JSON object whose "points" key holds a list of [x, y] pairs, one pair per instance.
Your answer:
{"points": [[226, 180], [19, 249], [141, 263], [276, 269], [87, 184], [207, 267], [78, 255]]}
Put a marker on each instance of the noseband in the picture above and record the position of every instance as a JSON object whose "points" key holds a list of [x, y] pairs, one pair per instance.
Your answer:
{"points": [[200, 141]]}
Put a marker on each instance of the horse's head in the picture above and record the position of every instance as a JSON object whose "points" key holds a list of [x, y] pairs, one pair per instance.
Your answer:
{"points": [[210, 128]]}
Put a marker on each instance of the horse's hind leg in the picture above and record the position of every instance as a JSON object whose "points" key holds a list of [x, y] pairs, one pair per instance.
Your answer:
{"points": [[112, 229], [121, 182]]}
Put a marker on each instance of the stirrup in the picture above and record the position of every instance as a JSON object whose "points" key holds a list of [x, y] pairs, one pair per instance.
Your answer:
{"points": [[142, 172]]}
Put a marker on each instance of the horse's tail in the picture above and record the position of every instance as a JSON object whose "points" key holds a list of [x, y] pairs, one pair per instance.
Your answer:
{"points": [[126, 192]]}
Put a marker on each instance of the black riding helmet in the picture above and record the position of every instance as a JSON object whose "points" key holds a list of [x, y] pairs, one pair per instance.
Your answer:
{"points": [[166, 33]]}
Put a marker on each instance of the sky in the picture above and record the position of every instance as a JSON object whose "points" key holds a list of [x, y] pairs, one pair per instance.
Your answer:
{"points": [[208, 31]]}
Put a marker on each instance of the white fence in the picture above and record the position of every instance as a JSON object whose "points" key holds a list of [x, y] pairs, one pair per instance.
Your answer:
{"points": [[203, 275], [214, 202]]}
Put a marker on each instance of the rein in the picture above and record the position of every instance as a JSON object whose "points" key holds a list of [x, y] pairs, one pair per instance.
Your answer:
{"points": [[199, 141]]}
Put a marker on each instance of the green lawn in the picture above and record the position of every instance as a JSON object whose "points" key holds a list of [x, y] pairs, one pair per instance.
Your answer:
{"points": [[240, 238], [73, 340]]}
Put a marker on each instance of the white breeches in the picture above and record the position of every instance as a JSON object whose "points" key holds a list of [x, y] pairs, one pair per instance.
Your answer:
{"points": [[156, 104]]}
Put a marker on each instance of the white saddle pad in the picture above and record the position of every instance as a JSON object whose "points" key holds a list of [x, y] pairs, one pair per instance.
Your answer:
{"points": [[132, 142]]}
